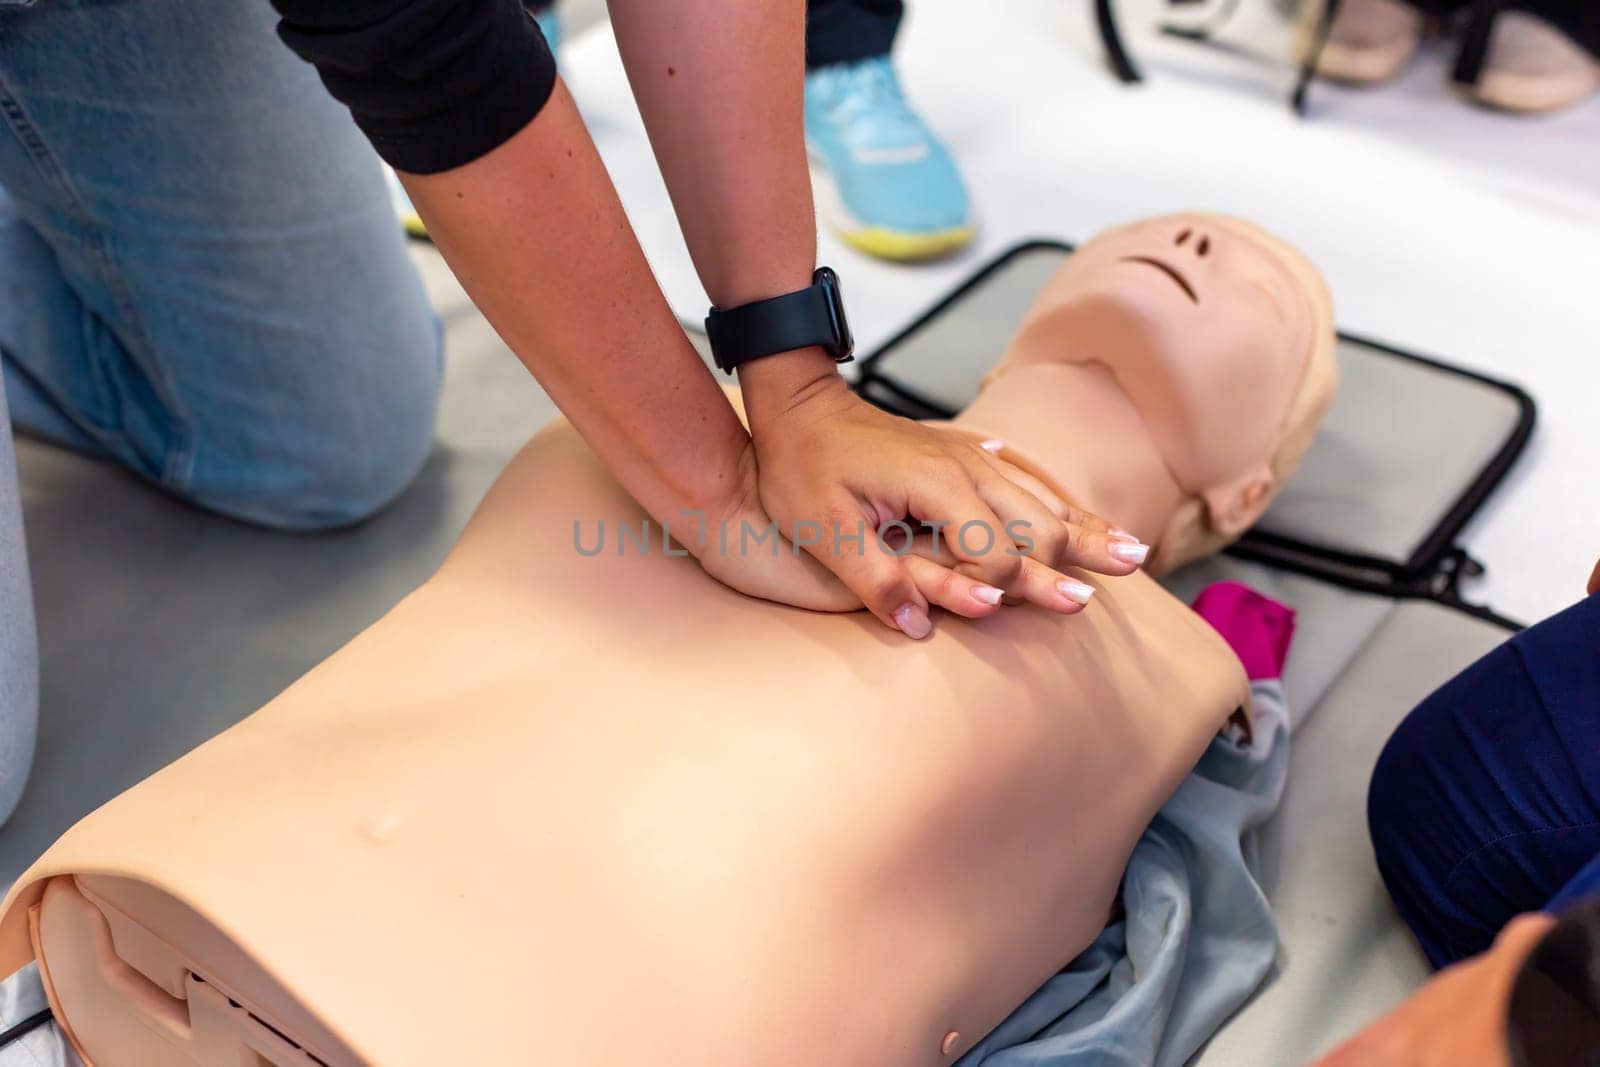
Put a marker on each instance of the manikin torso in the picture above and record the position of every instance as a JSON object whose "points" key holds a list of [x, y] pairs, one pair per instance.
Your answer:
{"points": [[594, 810]]}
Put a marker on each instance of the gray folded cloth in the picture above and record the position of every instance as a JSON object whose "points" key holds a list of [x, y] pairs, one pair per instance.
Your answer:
{"points": [[21, 998]]}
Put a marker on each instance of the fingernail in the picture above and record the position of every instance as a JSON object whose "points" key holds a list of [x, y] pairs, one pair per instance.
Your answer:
{"points": [[913, 621], [993, 444], [987, 594], [1128, 551], [1075, 591], [1119, 534]]}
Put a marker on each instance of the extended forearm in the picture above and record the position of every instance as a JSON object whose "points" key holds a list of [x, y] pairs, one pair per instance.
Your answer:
{"points": [[720, 84], [450, 93], [537, 236], [462, 99]]}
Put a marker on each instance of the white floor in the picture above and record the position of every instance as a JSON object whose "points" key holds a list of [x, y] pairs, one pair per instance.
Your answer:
{"points": [[1441, 227]]}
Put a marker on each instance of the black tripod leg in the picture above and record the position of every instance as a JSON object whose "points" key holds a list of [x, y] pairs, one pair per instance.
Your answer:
{"points": [[1308, 65], [1475, 41], [1116, 54]]}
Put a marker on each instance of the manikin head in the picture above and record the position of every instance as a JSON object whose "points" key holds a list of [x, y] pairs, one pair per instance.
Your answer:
{"points": [[1222, 339]]}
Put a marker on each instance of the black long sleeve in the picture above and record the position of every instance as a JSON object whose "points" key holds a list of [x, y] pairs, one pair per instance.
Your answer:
{"points": [[432, 83]]}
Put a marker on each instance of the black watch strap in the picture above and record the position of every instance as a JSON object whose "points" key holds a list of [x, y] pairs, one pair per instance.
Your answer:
{"points": [[811, 316]]}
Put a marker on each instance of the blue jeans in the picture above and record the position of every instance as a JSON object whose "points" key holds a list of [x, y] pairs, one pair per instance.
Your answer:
{"points": [[201, 279], [1486, 801], [19, 676]]}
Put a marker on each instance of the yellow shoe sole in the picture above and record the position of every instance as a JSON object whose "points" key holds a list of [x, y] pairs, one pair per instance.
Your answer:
{"points": [[907, 247], [414, 227]]}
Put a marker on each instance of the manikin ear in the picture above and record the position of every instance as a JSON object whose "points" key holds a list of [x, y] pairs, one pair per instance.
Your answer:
{"points": [[1234, 507]]}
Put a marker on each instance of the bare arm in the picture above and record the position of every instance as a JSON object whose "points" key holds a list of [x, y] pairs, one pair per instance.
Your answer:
{"points": [[536, 234], [464, 97], [720, 84], [721, 87]]}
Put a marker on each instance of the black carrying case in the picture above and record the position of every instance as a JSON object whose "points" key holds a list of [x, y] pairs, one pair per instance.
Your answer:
{"points": [[1446, 438]]}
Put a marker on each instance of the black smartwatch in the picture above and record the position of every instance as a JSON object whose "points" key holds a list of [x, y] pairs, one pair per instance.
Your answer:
{"points": [[812, 316]]}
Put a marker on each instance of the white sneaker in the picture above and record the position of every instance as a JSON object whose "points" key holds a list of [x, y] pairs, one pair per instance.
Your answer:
{"points": [[1370, 41], [1532, 66]]}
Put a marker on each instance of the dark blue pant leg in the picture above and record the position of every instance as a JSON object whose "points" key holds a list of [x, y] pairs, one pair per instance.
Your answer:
{"points": [[1486, 801], [848, 31]]}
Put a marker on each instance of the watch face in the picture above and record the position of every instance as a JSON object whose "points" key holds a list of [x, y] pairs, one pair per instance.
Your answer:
{"points": [[843, 347]]}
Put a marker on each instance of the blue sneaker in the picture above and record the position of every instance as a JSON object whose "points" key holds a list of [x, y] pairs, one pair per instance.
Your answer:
{"points": [[885, 183], [550, 26]]}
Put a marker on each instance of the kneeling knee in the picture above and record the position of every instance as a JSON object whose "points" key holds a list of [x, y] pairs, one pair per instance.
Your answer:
{"points": [[350, 477], [19, 719], [346, 490], [327, 468], [1391, 797]]}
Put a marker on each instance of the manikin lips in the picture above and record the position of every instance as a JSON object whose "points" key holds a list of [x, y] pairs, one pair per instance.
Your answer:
{"points": [[1170, 272]]}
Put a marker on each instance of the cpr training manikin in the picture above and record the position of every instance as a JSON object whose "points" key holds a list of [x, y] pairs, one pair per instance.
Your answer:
{"points": [[600, 809]]}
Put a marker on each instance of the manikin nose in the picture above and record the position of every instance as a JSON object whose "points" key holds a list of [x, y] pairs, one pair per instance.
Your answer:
{"points": [[1195, 240]]}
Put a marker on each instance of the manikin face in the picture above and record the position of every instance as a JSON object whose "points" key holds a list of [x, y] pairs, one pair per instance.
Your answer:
{"points": [[1206, 329]]}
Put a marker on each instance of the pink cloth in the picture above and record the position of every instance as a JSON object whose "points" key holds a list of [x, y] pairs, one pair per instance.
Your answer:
{"points": [[1258, 628]]}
